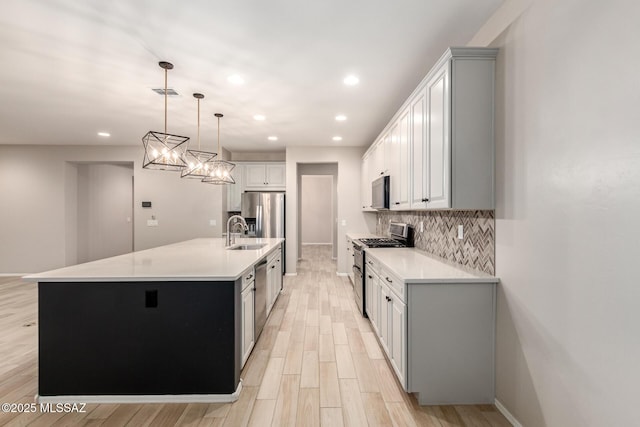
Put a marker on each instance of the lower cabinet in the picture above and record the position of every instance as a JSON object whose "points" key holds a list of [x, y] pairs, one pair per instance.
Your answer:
{"points": [[439, 337], [274, 278], [248, 333]]}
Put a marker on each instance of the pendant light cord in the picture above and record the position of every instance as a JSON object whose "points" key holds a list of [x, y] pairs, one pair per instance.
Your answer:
{"points": [[165, 100], [219, 151], [198, 123]]}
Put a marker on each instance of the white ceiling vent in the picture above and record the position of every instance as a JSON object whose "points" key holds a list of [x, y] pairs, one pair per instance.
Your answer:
{"points": [[170, 92]]}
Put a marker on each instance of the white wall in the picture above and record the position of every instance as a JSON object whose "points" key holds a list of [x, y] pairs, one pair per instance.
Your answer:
{"points": [[33, 204], [316, 209], [568, 203], [349, 209]]}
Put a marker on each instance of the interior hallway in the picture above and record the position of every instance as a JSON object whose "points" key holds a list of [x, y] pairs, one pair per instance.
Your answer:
{"points": [[317, 362]]}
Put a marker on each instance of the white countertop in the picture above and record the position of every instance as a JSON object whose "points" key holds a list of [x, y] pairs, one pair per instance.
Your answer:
{"points": [[414, 266], [196, 260], [353, 236]]}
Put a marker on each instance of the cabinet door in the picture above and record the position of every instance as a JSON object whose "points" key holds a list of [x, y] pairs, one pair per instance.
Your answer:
{"points": [[248, 337], [420, 166], [375, 303], [392, 160], [398, 338], [234, 191], [384, 319], [365, 183], [275, 175], [439, 153], [402, 165], [255, 175]]}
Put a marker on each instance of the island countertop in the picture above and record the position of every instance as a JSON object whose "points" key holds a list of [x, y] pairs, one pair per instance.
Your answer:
{"points": [[205, 259]]}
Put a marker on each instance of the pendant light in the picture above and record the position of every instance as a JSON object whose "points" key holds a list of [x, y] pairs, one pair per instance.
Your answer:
{"points": [[220, 172], [198, 162], [164, 151]]}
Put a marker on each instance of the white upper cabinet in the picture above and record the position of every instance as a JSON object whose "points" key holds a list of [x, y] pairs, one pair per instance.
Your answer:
{"points": [[400, 168], [234, 191], [442, 139], [438, 137], [419, 165], [261, 176], [365, 183]]}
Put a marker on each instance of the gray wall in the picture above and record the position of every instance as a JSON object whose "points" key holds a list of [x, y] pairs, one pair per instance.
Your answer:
{"points": [[316, 209], [568, 202], [35, 204], [104, 211]]}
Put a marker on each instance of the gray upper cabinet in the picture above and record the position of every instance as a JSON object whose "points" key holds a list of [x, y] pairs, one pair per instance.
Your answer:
{"points": [[446, 127]]}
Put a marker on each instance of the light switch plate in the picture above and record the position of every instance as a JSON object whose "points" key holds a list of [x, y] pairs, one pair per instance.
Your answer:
{"points": [[344, 222], [212, 222], [152, 223], [460, 232]]}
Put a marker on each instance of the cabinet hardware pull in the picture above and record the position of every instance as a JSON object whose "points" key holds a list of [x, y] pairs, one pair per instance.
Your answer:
{"points": [[389, 280], [425, 200], [397, 203], [369, 276], [370, 263], [249, 277], [273, 266], [381, 173]]}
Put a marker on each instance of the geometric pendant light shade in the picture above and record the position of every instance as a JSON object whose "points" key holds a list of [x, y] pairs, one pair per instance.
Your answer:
{"points": [[220, 170], [162, 150], [198, 162]]}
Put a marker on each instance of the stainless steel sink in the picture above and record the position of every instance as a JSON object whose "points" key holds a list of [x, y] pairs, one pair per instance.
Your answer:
{"points": [[247, 247]]}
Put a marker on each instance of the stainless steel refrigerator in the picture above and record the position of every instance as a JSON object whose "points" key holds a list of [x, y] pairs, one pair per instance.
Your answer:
{"points": [[264, 213]]}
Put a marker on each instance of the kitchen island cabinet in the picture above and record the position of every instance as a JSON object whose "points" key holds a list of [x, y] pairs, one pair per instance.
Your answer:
{"points": [[162, 325]]}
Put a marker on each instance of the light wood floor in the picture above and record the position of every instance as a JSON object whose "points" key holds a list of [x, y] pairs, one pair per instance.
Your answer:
{"points": [[316, 363]]}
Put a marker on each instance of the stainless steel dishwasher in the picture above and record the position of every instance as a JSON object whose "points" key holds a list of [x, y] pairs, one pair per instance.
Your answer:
{"points": [[260, 297]]}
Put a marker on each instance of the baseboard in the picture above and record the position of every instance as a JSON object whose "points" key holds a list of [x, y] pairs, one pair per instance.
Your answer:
{"points": [[164, 398], [342, 274], [317, 244], [506, 414], [291, 274]]}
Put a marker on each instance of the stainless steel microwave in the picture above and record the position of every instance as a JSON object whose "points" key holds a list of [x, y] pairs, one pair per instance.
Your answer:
{"points": [[380, 189]]}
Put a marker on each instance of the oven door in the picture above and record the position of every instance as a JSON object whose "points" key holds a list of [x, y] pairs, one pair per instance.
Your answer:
{"points": [[358, 287]]}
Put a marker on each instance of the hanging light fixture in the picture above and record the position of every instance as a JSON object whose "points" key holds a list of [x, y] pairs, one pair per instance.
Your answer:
{"points": [[220, 172], [198, 162], [164, 151]]}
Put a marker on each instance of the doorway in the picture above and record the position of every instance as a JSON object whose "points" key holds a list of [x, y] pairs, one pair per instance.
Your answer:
{"points": [[317, 206], [99, 211]]}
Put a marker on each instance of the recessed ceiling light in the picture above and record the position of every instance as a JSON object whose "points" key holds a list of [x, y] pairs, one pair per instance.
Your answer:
{"points": [[337, 138], [351, 80], [235, 79], [272, 138], [341, 117], [259, 117], [105, 134]]}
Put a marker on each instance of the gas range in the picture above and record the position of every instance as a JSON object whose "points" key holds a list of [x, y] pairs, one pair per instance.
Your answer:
{"points": [[401, 237], [382, 242]]}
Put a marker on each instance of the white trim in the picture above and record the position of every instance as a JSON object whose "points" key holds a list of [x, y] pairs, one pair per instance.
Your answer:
{"points": [[291, 274], [342, 274], [17, 275], [164, 398], [506, 414]]}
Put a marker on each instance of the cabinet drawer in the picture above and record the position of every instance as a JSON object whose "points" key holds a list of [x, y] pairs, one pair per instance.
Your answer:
{"points": [[393, 282], [372, 265], [248, 277]]}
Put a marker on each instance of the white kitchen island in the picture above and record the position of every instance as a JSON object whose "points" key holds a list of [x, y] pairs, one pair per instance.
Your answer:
{"points": [[159, 325]]}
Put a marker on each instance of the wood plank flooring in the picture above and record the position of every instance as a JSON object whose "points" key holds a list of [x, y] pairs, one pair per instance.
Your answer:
{"points": [[317, 363]]}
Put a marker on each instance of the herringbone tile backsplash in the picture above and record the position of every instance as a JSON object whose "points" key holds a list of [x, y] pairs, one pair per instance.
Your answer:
{"points": [[440, 236]]}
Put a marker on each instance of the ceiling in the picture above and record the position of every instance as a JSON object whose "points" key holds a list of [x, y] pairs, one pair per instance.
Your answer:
{"points": [[69, 69]]}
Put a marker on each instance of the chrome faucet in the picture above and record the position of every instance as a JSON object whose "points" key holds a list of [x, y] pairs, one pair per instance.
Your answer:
{"points": [[242, 222]]}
